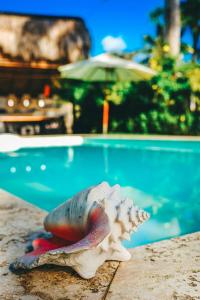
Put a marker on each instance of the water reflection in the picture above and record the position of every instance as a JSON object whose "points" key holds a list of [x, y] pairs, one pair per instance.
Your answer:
{"points": [[165, 183]]}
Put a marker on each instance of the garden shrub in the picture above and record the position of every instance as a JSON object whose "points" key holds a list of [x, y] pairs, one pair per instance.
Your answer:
{"points": [[160, 105]]}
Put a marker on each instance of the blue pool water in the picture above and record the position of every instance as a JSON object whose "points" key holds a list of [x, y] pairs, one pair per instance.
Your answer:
{"points": [[162, 176]]}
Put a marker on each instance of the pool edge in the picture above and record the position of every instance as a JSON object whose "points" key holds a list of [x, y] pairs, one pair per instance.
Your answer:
{"points": [[150, 137], [153, 267]]}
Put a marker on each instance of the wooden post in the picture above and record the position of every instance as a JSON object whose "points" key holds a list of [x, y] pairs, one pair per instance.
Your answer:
{"points": [[105, 116]]}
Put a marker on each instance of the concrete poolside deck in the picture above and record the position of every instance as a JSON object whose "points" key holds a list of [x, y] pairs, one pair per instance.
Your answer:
{"points": [[13, 142], [161, 271], [152, 137]]}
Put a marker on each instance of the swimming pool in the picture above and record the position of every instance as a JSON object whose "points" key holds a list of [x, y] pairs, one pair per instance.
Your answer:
{"points": [[162, 176]]}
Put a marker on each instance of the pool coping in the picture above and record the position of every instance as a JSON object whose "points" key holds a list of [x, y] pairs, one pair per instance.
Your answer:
{"points": [[13, 142], [149, 137], [165, 270]]}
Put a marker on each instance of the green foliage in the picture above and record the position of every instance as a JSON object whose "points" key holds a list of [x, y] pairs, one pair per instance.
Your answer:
{"points": [[156, 48], [160, 105], [190, 11]]}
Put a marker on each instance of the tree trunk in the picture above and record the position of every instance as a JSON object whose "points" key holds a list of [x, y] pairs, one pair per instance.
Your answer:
{"points": [[173, 26]]}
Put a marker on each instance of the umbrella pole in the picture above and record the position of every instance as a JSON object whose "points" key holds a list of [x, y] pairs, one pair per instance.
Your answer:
{"points": [[105, 116]]}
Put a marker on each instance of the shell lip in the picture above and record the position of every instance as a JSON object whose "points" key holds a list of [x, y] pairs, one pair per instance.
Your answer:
{"points": [[45, 248]]}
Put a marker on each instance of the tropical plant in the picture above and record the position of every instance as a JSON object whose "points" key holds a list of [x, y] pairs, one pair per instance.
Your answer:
{"points": [[169, 103], [169, 32], [190, 10]]}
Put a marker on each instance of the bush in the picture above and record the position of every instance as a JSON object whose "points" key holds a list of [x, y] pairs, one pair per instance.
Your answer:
{"points": [[160, 105]]}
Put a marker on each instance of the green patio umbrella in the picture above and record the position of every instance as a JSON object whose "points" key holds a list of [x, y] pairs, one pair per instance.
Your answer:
{"points": [[106, 68]]}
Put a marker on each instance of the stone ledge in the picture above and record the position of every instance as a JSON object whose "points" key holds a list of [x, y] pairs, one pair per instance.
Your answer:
{"points": [[167, 270], [161, 271], [17, 219]]}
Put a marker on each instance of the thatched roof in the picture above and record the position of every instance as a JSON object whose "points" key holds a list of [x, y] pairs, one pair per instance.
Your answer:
{"points": [[51, 40]]}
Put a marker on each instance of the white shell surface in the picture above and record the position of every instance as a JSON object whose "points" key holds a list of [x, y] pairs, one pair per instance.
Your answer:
{"points": [[123, 218]]}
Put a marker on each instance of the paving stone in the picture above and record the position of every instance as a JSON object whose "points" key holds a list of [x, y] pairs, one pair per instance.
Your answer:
{"points": [[17, 219], [161, 271]]}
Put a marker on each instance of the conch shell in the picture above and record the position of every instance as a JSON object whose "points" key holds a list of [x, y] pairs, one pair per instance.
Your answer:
{"points": [[85, 231]]}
